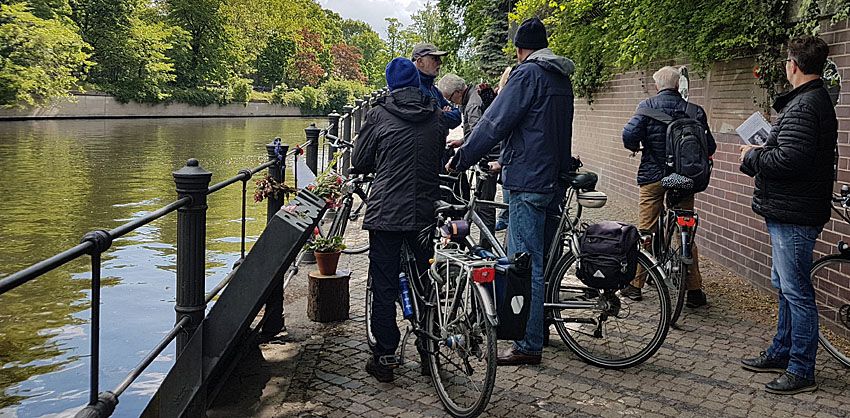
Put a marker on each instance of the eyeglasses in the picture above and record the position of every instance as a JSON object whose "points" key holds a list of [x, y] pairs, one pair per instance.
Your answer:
{"points": [[787, 60]]}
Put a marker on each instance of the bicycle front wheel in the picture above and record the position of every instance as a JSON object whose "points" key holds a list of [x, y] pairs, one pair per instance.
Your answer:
{"points": [[463, 349], [833, 310], [604, 328]]}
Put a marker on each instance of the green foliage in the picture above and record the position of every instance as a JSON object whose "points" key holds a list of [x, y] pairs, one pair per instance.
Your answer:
{"points": [[315, 100], [274, 60], [325, 245], [606, 37], [341, 93], [40, 59], [211, 48], [240, 90], [197, 96]]}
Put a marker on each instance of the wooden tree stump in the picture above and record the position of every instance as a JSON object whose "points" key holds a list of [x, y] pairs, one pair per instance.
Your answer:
{"points": [[328, 298]]}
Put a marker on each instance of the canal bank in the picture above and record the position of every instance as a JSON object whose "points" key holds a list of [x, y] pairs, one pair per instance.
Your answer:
{"points": [[101, 106]]}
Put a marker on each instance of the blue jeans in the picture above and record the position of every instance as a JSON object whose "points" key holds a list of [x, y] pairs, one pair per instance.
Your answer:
{"points": [[529, 231], [797, 328], [506, 198]]}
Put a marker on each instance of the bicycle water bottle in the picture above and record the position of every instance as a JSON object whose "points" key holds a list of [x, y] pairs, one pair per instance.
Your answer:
{"points": [[404, 289]]}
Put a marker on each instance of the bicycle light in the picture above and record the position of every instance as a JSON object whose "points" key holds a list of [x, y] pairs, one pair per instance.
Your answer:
{"points": [[483, 274], [686, 221]]}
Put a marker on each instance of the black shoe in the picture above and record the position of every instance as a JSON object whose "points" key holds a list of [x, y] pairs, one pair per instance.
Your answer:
{"points": [[765, 364], [695, 298], [382, 369], [789, 384], [632, 293]]}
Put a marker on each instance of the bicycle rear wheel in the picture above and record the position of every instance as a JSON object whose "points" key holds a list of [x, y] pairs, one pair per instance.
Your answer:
{"points": [[675, 268], [463, 353], [603, 328], [833, 310]]}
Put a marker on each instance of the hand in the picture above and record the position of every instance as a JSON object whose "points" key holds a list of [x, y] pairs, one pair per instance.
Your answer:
{"points": [[447, 108], [454, 143], [449, 166], [746, 148], [495, 166]]}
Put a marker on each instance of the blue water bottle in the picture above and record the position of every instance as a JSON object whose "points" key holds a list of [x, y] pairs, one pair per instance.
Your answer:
{"points": [[406, 307]]}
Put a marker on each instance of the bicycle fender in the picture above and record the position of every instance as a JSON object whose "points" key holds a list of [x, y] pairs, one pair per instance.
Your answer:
{"points": [[657, 267], [487, 302]]}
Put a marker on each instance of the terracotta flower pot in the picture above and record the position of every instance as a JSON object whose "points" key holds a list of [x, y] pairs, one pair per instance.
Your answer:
{"points": [[327, 262]]}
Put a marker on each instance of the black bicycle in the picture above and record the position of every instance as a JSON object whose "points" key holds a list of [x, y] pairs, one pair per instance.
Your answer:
{"points": [[672, 246], [831, 278]]}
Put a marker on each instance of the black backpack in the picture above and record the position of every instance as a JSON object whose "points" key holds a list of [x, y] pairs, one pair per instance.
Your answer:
{"points": [[687, 150], [608, 255]]}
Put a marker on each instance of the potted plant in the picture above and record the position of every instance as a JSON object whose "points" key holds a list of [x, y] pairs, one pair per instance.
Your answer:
{"points": [[328, 186], [327, 251], [269, 187]]}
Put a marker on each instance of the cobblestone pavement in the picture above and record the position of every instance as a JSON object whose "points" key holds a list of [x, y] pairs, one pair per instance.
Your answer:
{"points": [[318, 369]]}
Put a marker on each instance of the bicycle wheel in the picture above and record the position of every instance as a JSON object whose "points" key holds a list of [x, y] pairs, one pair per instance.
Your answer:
{"points": [[356, 242], [601, 327], [676, 271], [833, 310], [463, 353]]}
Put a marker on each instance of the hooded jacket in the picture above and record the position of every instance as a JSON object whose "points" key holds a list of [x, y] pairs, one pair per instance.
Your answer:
{"points": [[401, 141], [534, 113], [426, 85], [794, 171], [653, 134]]}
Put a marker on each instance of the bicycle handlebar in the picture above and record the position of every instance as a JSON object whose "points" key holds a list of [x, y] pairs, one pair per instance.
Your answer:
{"points": [[339, 142]]}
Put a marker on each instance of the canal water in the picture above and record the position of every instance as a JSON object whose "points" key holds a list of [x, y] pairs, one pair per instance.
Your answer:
{"points": [[61, 179]]}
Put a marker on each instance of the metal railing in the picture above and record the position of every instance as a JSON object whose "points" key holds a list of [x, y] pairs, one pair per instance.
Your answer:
{"points": [[192, 184]]}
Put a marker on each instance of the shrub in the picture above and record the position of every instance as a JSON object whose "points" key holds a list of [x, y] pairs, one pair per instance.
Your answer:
{"points": [[239, 90], [293, 98], [278, 95]]}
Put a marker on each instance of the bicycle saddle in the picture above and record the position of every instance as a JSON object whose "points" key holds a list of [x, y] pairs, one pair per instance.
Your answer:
{"points": [[580, 180]]}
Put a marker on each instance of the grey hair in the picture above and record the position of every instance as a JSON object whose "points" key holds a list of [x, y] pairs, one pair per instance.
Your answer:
{"points": [[666, 78], [451, 82], [504, 79]]}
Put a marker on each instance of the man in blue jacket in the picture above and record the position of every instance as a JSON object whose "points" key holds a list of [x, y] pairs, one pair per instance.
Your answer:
{"points": [[428, 60], [652, 134], [534, 113]]}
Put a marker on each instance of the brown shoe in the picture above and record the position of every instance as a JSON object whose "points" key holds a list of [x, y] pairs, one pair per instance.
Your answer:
{"points": [[512, 357]]}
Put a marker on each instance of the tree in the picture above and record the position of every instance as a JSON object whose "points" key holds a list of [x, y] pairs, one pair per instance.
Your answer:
{"points": [[372, 47], [40, 59], [347, 62], [308, 69], [494, 38], [426, 23], [210, 55], [275, 61]]}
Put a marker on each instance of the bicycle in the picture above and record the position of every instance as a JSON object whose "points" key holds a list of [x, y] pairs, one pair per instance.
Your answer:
{"points": [[602, 327], [451, 312], [833, 305], [674, 254]]}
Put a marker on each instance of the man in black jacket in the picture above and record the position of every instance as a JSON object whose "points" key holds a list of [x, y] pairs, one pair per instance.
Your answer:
{"points": [[793, 187], [652, 134], [402, 142]]}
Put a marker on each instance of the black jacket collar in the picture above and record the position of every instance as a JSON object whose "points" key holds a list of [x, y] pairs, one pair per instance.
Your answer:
{"points": [[786, 98]]}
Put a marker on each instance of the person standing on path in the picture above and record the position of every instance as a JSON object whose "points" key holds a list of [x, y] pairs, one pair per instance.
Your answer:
{"points": [[652, 134], [794, 175], [401, 142], [534, 114]]}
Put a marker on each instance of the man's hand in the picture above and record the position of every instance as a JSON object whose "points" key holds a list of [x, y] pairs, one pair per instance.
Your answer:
{"points": [[447, 108], [454, 143], [495, 166], [746, 148], [449, 166]]}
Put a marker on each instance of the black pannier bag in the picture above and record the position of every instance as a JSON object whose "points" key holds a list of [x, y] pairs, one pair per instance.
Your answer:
{"points": [[513, 297], [608, 255]]}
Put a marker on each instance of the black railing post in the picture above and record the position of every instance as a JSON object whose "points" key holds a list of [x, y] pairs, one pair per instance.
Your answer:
{"points": [[346, 135], [275, 318], [359, 113], [333, 129], [192, 181], [312, 155]]}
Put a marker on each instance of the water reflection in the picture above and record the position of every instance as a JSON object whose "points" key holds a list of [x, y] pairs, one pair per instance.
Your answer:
{"points": [[61, 179]]}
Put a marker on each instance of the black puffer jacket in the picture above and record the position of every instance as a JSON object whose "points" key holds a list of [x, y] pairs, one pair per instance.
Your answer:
{"points": [[794, 171], [402, 142], [653, 134]]}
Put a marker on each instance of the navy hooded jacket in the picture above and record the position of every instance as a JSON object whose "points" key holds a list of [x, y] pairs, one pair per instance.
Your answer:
{"points": [[426, 85], [653, 134], [534, 114]]}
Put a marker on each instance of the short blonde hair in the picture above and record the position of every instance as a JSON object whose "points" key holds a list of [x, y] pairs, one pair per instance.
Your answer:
{"points": [[504, 79], [666, 78]]}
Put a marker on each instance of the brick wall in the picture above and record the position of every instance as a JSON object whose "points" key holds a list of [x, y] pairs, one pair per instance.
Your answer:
{"points": [[730, 233]]}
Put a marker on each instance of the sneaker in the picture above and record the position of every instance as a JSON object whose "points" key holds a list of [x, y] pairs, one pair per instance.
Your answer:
{"points": [[501, 225], [632, 293], [763, 363], [789, 384], [695, 298], [381, 368]]}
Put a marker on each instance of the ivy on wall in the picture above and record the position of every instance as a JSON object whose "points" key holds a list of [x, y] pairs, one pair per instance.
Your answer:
{"points": [[606, 37]]}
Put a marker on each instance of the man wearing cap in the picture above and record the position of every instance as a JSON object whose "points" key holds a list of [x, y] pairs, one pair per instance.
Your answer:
{"points": [[534, 112], [428, 60], [401, 142]]}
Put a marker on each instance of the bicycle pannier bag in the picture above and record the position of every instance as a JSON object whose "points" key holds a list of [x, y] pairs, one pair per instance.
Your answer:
{"points": [[687, 149], [513, 297], [608, 255]]}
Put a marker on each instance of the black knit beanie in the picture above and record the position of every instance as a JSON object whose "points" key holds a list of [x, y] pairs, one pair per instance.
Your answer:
{"points": [[531, 35]]}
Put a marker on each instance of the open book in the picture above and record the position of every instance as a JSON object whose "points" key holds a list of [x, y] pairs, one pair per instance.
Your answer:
{"points": [[754, 130]]}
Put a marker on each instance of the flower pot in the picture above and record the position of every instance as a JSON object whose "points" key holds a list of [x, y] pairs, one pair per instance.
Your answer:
{"points": [[327, 262]]}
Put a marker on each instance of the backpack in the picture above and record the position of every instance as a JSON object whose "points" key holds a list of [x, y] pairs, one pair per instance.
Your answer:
{"points": [[687, 150], [608, 255], [487, 95]]}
